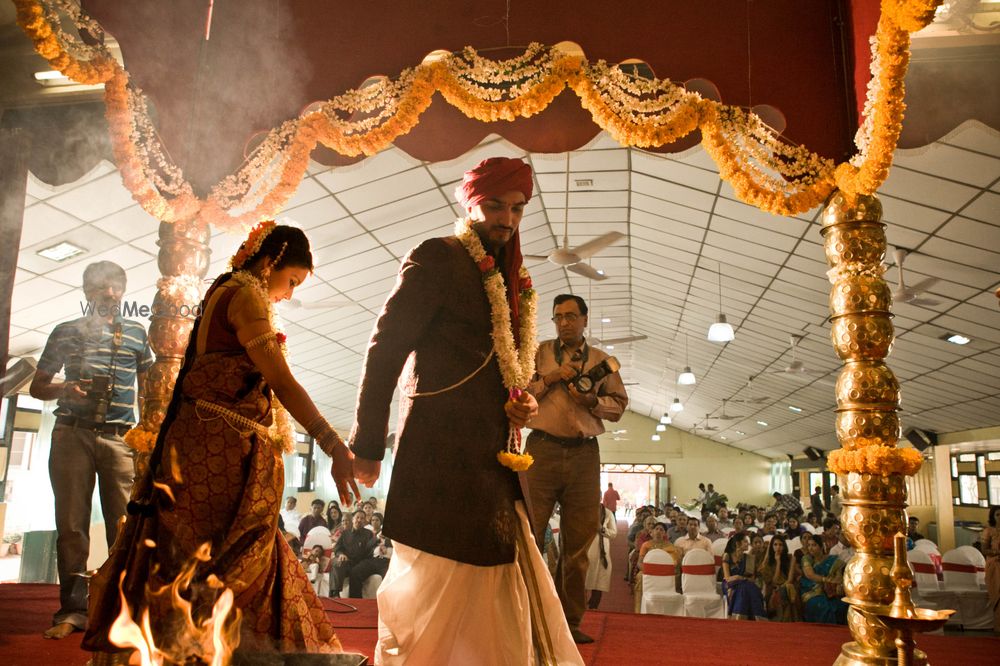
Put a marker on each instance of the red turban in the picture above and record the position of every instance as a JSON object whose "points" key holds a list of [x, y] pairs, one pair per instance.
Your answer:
{"points": [[491, 178], [494, 177]]}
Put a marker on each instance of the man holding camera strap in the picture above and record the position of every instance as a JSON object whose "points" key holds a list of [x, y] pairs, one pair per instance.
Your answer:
{"points": [[102, 355], [577, 388]]}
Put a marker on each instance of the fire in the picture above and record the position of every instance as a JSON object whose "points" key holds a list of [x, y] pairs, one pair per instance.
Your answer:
{"points": [[210, 641]]}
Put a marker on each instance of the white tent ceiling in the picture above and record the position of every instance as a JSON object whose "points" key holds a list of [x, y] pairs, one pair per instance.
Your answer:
{"points": [[681, 223]]}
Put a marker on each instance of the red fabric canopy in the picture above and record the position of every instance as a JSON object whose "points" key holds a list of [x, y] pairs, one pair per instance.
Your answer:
{"points": [[265, 61]]}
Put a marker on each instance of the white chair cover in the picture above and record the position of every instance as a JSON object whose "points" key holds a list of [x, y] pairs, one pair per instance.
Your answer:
{"points": [[318, 536], [926, 545], [659, 592], [768, 537], [718, 548], [977, 559], [698, 585], [808, 526], [794, 544], [961, 576], [924, 573]]}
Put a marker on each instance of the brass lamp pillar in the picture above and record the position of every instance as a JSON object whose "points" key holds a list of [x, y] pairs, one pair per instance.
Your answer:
{"points": [[183, 261], [867, 404]]}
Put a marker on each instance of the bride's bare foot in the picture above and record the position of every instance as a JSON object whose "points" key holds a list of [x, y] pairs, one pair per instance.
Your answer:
{"points": [[57, 631]]}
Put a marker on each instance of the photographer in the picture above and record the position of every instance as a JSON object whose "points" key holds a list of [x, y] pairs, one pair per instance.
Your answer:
{"points": [[102, 355], [577, 387]]}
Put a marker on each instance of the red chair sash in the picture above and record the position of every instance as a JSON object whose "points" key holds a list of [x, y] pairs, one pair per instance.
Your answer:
{"points": [[923, 567], [718, 560], [654, 569], [699, 569], [961, 568]]}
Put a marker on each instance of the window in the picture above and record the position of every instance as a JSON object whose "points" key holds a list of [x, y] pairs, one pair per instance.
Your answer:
{"points": [[21, 444], [993, 488], [622, 467], [968, 489], [28, 404], [781, 477], [954, 467], [981, 466]]}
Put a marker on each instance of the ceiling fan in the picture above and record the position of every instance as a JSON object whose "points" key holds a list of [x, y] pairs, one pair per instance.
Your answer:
{"points": [[751, 399], [797, 368], [705, 426], [911, 295], [571, 258], [726, 417]]}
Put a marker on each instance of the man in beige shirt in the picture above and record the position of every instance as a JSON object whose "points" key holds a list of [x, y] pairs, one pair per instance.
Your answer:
{"points": [[692, 539], [563, 442]]}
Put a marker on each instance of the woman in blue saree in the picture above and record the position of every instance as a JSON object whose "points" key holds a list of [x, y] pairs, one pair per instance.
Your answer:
{"points": [[822, 585], [742, 595]]}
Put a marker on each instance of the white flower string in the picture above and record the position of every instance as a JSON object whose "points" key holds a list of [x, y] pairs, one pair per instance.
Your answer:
{"points": [[517, 364]]}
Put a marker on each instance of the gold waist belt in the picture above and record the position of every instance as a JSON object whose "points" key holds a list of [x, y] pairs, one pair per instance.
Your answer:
{"points": [[234, 420]]}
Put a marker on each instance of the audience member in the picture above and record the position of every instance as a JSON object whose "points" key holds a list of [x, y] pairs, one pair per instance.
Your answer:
{"points": [[640, 518], [738, 525], [658, 540], [836, 502], [313, 519], [692, 539], [334, 517], [712, 532], [776, 578], [725, 522], [355, 546], [770, 525], [831, 534], [599, 558], [816, 505], [821, 585], [912, 529], [793, 528], [290, 516], [789, 502], [679, 528], [990, 540], [611, 498], [742, 594], [758, 547]]}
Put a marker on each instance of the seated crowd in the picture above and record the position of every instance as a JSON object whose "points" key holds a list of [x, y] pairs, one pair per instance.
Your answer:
{"points": [[772, 563], [338, 548]]}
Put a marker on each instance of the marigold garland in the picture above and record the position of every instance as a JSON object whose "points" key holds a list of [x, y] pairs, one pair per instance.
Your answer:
{"points": [[516, 359], [141, 439], [879, 460], [635, 111]]}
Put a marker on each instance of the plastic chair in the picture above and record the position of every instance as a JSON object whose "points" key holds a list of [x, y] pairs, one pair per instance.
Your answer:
{"points": [[659, 592], [698, 585]]}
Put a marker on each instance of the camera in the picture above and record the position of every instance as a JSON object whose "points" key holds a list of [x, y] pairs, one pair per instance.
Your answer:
{"points": [[586, 381], [99, 395]]}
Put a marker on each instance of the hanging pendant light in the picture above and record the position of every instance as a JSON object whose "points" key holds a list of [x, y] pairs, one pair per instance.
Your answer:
{"points": [[721, 330], [687, 377], [655, 438], [665, 419], [676, 406], [660, 427]]}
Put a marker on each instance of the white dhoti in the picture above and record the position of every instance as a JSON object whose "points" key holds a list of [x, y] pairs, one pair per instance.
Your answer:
{"points": [[432, 610]]}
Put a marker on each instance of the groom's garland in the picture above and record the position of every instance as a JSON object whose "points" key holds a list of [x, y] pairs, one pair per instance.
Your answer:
{"points": [[517, 361]]}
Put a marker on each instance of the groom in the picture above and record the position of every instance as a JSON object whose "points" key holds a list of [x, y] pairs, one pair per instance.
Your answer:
{"points": [[452, 586]]}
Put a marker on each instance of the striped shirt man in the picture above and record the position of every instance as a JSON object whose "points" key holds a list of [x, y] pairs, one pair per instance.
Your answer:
{"points": [[89, 347]]}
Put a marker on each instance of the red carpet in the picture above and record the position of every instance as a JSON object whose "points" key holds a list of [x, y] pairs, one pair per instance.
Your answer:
{"points": [[26, 610]]}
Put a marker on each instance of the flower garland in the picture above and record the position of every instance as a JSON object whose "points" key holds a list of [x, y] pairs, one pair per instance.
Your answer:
{"points": [[516, 361], [880, 460], [251, 246], [763, 171]]}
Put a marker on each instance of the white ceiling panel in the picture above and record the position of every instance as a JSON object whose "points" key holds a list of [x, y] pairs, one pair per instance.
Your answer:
{"points": [[680, 224]]}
